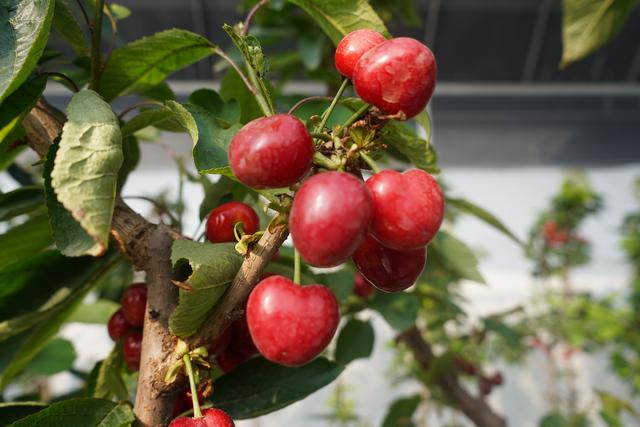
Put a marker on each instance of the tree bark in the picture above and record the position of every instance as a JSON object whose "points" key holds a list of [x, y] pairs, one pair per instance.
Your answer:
{"points": [[476, 409]]}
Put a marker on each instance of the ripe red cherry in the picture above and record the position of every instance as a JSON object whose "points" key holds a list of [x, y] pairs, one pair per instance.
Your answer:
{"points": [[397, 75], [271, 152], [131, 349], [210, 418], [553, 235], [408, 208], [291, 324], [223, 219], [361, 286], [118, 325], [387, 269], [134, 302], [329, 218], [221, 343], [353, 46]]}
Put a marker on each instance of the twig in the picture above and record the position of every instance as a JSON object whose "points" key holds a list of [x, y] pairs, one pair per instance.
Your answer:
{"points": [[96, 48], [235, 66], [64, 77], [307, 100], [334, 102], [138, 105], [252, 12], [84, 12]]}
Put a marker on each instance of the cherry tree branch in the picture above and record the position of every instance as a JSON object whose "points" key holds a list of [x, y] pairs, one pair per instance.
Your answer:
{"points": [[475, 408]]}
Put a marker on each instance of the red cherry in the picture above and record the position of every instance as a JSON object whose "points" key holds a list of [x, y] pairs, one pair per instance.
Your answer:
{"points": [[131, 349], [271, 152], [553, 235], [186, 398], [329, 218], [228, 361], [496, 379], [118, 325], [463, 365], [397, 75], [221, 343], [217, 418], [223, 219], [241, 342], [361, 286], [408, 208], [353, 46], [291, 324], [387, 269], [189, 422], [134, 302], [484, 386]]}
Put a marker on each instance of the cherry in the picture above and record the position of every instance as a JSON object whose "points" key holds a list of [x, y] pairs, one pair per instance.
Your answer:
{"points": [[210, 418], [555, 237], [118, 325], [496, 379], [131, 348], [271, 152], [220, 344], [291, 324], [329, 217], [134, 302], [228, 360], [353, 46], [387, 269], [240, 347], [398, 75], [408, 208], [223, 219], [361, 286], [463, 365]]}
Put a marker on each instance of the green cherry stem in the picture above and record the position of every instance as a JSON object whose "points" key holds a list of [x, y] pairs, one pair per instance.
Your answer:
{"points": [[356, 115], [96, 53], [197, 413], [372, 163], [296, 266], [332, 106]]}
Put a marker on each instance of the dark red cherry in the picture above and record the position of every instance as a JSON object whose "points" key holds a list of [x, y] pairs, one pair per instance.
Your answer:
{"points": [[408, 208], [118, 325], [291, 324], [361, 286], [222, 220], [134, 303], [353, 46], [131, 349], [271, 152], [387, 269], [398, 75], [329, 218]]}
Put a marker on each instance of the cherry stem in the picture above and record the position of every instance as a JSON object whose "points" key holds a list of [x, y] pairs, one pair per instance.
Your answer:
{"points": [[307, 100], [356, 115], [322, 136], [372, 163], [320, 159], [296, 266], [138, 105], [197, 413], [73, 86], [252, 12], [96, 40], [334, 102], [238, 230]]}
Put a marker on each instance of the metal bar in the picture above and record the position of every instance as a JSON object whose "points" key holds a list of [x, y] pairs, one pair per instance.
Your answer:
{"points": [[537, 38]]}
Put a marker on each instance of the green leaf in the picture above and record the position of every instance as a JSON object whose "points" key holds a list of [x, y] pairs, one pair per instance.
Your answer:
{"points": [[147, 62], [24, 30], [211, 142], [18, 104], [57, 356], [401, 138], [118, 11], [554, 420], [482, 214], [70, 238], [213, 267], [401, 411], [66, 24], [340, 282], [13, 411], [109, 381], [512, 337], [259, 387], [233, 88], [145, 118], [36, 296], [588, 24], [10, 150], [209, 99], [81, 413], [310, 49], [97, 312], [399, 310], [20, 201], [338, 18], [85, 169], [24, 240], [455, 256], [355, 341]]}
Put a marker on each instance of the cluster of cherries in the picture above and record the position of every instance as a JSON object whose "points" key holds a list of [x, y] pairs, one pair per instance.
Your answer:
{"points": [[383, 224], [127, 322]]}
